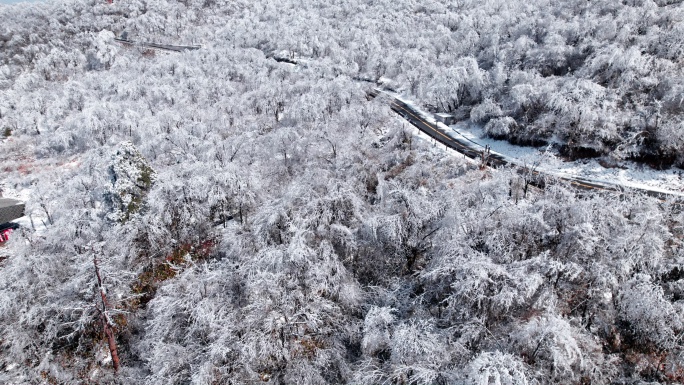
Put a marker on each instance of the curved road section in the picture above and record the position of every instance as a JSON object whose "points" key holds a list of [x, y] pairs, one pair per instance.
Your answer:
{"points": [[431, 127], [163, 47]]}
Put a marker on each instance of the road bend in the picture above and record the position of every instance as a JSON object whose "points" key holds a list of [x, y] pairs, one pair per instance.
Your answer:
{"points": [[474, 151]]}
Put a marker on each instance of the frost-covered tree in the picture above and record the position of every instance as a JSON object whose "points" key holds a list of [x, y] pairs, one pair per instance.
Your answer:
{"points": [[255, 220], [131, 179]]}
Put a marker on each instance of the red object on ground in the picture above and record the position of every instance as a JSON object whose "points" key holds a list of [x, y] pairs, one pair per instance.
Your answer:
{"points": [[4, 235]]}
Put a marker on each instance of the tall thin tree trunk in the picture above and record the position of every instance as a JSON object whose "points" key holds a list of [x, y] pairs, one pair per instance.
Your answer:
{"points": [[106, 321]]}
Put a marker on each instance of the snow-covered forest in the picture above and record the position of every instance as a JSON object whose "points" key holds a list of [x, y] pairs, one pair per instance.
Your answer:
{"points": [[217, 216]]}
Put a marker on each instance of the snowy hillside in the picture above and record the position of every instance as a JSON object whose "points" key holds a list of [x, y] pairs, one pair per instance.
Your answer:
{"points": [[217, 216]]}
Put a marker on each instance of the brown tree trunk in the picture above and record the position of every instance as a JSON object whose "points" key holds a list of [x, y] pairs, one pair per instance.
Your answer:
{"points": [[106, 321], [111, 341]]}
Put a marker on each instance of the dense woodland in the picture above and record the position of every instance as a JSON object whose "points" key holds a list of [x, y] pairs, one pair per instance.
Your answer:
{"points": [[220, 217]]}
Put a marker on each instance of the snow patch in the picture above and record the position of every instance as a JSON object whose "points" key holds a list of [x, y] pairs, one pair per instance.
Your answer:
{"points": [[628, 174]]}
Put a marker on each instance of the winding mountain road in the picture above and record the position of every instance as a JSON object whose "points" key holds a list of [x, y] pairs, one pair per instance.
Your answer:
{"points": [[163, 47], [431, 127]]}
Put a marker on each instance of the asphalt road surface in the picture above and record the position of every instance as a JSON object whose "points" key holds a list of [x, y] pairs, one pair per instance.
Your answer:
{"points": [[164, 47]]}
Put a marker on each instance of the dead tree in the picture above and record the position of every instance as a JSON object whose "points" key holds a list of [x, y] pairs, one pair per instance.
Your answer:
{"points": [[107, 323], [484, 157]]}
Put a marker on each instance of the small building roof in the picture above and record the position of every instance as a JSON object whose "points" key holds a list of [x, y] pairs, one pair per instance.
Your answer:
{"points": [[7, 202], [10, 209]]}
